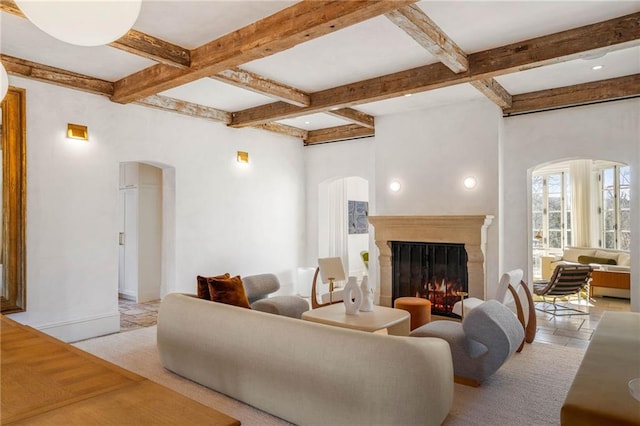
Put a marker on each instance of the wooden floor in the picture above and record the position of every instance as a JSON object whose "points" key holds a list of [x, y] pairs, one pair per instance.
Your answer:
{"points": [[46, 381]]}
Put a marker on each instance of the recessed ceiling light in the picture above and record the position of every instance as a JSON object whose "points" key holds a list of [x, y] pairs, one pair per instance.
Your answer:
{"points": [[597, 67], [307, 122], [407, 95]]}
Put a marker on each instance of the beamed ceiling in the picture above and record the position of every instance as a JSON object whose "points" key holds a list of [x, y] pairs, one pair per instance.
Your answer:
{"points": [[321, 71]]}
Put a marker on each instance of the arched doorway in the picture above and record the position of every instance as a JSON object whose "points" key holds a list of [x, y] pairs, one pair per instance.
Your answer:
{"points": [[582, 203], [342, 221], [146, 269]]}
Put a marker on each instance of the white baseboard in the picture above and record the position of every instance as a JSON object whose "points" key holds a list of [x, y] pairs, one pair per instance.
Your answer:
{"points": [[85, 328]]}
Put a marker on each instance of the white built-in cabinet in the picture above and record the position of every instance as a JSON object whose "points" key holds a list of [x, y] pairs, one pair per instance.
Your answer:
{"points": [[140, 239]]}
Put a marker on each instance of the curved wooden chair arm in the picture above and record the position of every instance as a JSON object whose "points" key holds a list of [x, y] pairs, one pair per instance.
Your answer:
{"points": [[530, 329], [314, 296], [519, 313]]}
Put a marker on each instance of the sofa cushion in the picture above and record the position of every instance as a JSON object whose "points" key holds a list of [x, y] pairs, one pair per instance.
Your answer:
{"points": [[607, 255], [571, 254], [593, 259], [624, 259], [203, 286], [228, 290]]}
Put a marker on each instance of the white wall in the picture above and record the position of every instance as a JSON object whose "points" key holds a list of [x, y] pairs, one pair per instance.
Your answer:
{"points": [[430, 152], [609, 131], [241, 220]]}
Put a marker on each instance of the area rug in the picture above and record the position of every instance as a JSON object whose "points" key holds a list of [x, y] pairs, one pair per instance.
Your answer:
{"points": [[528, 390]]}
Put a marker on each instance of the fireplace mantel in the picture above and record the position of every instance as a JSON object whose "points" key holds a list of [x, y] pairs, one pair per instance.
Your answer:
{"points": [[468, 230]]}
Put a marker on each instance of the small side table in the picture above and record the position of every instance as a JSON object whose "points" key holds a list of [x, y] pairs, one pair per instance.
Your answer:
{"points": [[419, 308], [462, 295]]}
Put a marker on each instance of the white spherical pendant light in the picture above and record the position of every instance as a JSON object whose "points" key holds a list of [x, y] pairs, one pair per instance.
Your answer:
{"points": [[4, 82], [83, 23]]}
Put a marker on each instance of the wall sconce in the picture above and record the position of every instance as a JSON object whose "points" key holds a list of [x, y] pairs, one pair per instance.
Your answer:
{"points": [[470, 182], [395, 186], [242, 157], [77, 131]]}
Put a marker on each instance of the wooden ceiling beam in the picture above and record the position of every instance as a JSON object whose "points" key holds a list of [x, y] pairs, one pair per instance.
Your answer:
{"points": [[618, 33], [296, 24], [339, 133], [579, 94], [428, 34], [57, 76], [423, 30], [284, 129], [9, 6], [166, 103], [254, 82], [134, 42], [494, 91], [153, 48], [355, 116]]}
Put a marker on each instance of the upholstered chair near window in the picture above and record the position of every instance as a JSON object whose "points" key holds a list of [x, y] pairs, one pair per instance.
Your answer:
{"points": [[487, 336]]}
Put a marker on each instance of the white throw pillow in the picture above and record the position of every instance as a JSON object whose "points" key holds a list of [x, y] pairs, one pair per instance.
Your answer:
{"points": [[572, 254]]}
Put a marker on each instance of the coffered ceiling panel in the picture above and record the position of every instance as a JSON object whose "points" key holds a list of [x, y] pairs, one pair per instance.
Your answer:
{"points": [[369, 49], [193, 23], [212, 93], [614, 64], [480, 25]]}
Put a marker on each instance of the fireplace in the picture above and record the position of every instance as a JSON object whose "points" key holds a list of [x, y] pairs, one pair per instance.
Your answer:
{"points": [[434, 271], [470, 231]]}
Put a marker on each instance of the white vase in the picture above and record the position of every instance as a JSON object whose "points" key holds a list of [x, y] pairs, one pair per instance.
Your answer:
{"points": [[367, 295], [351, 296]]}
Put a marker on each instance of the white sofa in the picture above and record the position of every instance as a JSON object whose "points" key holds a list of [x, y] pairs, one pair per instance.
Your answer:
{"points": [[571, 255], [304, 372]]}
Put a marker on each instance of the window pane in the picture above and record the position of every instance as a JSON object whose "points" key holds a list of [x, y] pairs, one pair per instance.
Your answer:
{"points": [[625, 198], [625, 176], [608, 200], [609, 221], [607, 177], [555, 239], [536, 184], [625, 240], [554, 203], [555, 220], [537, 221], [609, 240], [625, 220], [536, 203], [554, 183], [569, 241], [568, 220]]}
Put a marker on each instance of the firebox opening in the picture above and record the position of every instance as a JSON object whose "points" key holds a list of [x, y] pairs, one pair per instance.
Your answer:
{"points": [[435, 271]]}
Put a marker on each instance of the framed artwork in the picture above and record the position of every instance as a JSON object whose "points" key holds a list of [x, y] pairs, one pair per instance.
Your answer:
{"points": [[358, 212]]}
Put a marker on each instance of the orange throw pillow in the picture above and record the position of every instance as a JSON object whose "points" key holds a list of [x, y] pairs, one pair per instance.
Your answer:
{"points": [[203, 285], [229, 291]]}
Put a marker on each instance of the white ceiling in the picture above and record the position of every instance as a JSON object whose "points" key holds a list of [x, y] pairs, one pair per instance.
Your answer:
{"points": [[372, 48]]}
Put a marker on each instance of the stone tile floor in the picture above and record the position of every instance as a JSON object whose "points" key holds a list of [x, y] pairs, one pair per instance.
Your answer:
{"points": [[137, 315], [573, 331], [576, 330]]}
